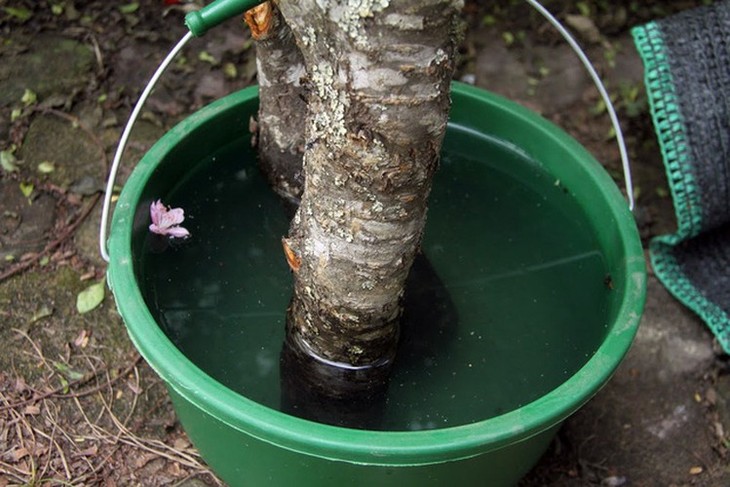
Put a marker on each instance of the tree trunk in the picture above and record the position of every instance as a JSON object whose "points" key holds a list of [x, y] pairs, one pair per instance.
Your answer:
{"points": [[379, 73], [282, 105]]}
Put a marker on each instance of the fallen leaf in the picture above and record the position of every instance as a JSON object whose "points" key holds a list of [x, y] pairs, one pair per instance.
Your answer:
{"points": [[508, 38], [173, 468], [22, 14], [44, 312], [31, 410], [82, 340], [29, 97], [144, 459], [230, 70], [134, 388], [181, 444], [584, 8], [89, 452], [90, 298], [46, 167], [21, 386], [17, 454], [206, 57], [87, 276], [26, 189], [129, 8], [67, 371], [64, 384], [7, 161], [719, 430]]}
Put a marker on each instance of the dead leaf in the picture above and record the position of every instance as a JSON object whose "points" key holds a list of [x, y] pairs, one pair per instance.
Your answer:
{"points": [[144, 460], [719, 430], [92, 451], [31, 410], [87, 276], [21, 386], [17, 454], [181, 444], [173, 468], [134, 388], [82, 340]]}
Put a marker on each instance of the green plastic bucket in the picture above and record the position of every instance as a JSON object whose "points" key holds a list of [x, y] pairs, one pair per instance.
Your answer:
{"points": [[247, 443]]}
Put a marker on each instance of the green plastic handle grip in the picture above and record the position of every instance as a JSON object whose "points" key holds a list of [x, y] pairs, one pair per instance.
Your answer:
{"points": [[200, 21]]}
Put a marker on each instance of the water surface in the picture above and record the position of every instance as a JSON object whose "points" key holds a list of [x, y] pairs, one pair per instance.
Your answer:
{"points": [[525, 301]]}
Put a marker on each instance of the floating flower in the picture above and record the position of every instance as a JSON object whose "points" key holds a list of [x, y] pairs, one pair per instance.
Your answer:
{"points": [[166, 220]]}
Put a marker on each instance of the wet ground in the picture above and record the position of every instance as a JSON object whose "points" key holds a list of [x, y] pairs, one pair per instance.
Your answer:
{"points": [[79, 407]]}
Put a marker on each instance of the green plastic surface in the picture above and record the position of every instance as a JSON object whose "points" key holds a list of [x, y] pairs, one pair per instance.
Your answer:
{"points": [[200, 21], [249, 444]]}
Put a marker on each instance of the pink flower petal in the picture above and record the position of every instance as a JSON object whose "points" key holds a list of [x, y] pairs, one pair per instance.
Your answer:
{"points": [[157, 209], [178, 232], [165, 220], [172, 217]]}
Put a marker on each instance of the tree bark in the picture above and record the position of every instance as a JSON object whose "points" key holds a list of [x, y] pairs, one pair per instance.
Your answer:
{"points": [[282, 105], [379, 73]]}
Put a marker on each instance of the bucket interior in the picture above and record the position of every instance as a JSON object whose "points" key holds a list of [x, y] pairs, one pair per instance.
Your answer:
{"points": [[530, 294]]}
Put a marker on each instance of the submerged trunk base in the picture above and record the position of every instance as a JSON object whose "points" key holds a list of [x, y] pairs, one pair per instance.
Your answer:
{"points": [[316, 389]]}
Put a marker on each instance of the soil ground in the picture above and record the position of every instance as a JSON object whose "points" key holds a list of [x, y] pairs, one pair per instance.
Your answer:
{"points": [[77, 404]]}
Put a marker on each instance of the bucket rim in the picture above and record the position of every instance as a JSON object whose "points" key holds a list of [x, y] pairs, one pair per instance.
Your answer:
{"points": [[387, 448]]}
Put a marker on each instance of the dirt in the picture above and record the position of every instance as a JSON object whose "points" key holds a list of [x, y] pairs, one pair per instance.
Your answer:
{"points": [[77, 404]]}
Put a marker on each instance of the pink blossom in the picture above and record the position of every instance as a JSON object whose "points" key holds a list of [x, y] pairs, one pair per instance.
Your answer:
{"points": [[166, 220]]}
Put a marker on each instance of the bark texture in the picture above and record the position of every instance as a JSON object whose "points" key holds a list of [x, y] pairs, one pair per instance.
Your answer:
{"points": [[378, 73], [357, 398], [282, 104]]}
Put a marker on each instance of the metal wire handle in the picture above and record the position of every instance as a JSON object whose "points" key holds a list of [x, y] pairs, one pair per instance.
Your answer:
{"points": [[105, 212], [601, 89], [123, 143]]}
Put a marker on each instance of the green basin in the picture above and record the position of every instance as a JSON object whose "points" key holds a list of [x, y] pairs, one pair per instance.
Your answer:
{"points": [[247, 443]]}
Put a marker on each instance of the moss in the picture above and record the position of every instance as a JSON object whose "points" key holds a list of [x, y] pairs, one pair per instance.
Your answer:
{"points": [[41, 305], [52, 65], [72, 152]]}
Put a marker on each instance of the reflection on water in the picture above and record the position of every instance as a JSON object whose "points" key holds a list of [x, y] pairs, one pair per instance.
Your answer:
{"points": [[525, 306]]}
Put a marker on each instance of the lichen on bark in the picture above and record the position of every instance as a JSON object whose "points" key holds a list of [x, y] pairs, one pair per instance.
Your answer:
{"points": [[379, 73]]}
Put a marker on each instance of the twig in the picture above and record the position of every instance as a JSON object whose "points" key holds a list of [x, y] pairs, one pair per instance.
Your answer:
{"points": [[156, 447], [51, 246], [52, 442], [37, 349], [19, 474], [58, 392]]}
